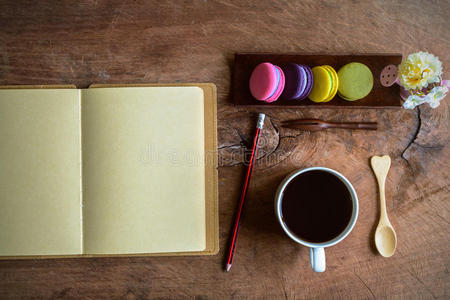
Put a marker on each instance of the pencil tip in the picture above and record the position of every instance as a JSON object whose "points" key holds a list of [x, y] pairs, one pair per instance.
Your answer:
{"points": [[228, 267]]}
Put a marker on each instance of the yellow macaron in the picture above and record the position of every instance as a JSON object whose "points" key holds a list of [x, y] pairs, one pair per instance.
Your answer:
{"points": [[335, 83], [322, 86]]}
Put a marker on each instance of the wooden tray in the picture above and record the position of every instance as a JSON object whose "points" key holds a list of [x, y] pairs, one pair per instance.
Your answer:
{"points": [[379, 97]]}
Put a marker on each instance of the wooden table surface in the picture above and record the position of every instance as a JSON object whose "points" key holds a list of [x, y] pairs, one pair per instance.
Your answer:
{"points": [[84, 42]]}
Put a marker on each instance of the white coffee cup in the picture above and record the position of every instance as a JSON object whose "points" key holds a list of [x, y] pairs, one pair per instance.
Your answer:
{"points": [[317, 253]]}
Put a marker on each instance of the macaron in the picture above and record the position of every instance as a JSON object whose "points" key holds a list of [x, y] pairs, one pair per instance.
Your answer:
{"points": [[334, 84], [267, 82], [355, 81], [326, 84], [323, 84], [298, 81], [310, 83]]}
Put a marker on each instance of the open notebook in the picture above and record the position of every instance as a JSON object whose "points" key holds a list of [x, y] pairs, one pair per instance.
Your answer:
{"points": [[108, 171]]}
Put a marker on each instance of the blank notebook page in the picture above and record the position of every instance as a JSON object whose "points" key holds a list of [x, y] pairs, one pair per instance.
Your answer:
{"points": [[40, 167], [143, 170]]}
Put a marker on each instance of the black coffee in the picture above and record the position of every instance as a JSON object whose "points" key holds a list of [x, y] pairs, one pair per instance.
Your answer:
{"points": [[316, 206]]}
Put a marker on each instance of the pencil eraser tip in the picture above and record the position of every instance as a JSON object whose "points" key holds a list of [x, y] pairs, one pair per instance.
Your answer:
{"points": [[261, 120]]}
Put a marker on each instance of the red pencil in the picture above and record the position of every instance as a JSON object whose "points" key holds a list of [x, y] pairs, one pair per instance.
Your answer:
{"points": [[237, 220]]}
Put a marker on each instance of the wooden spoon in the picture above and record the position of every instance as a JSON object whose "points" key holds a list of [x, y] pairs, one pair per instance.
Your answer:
{"points": [[385, 237]]}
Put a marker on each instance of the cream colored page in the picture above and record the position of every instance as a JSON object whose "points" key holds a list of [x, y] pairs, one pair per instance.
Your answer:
{"points": [[143, 170], [40, 172]]}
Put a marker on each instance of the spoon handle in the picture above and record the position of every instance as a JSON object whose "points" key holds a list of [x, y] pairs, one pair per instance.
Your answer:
{"points": [[381, 188], [354, 125], [380, 166]]}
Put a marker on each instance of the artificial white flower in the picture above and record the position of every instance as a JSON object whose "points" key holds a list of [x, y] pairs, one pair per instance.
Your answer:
{"points": [[413, 101], [436, 95], [418, 70]]}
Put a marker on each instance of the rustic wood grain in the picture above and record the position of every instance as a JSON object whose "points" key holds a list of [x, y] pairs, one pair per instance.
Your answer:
{"points": [[379, 96], [84, 42]]}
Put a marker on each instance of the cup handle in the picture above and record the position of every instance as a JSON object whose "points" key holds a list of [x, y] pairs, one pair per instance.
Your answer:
{"points": [[317, 257]]}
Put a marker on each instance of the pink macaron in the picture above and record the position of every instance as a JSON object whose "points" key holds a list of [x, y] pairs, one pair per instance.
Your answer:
{"points": [[267, 82]]}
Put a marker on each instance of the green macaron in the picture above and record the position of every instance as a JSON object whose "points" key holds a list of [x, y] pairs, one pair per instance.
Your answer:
{"points": [[355, 81]]}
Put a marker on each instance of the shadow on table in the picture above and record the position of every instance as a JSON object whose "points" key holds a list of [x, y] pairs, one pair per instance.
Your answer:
{"points": [[260, 233]]}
